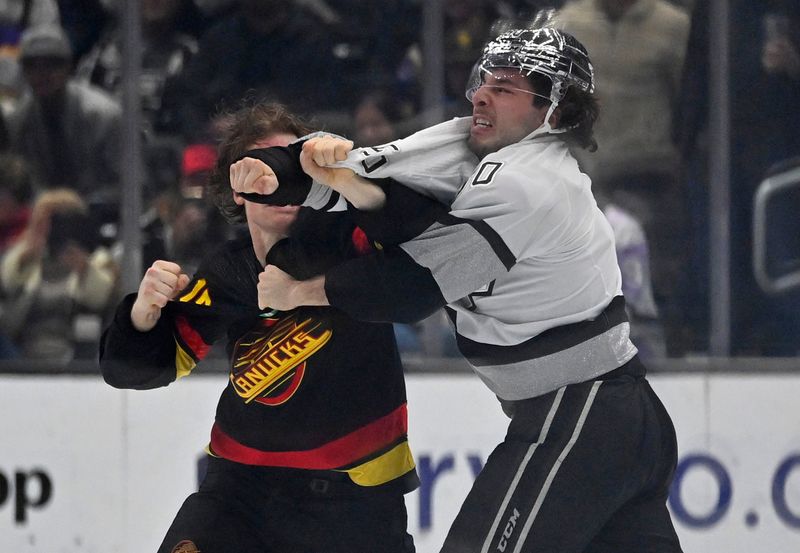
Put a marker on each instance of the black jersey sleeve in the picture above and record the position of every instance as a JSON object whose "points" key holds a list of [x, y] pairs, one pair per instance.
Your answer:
{"points": [[385, 286], [405, 215], [221, 293], [389, 285], [137, 360]]}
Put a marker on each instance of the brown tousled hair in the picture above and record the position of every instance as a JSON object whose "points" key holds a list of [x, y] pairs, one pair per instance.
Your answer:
{"points": [[241, 128]]}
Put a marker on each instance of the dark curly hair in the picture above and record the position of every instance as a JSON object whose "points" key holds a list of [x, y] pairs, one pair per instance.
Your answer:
{"points": [[578, 111], [242, 128]]}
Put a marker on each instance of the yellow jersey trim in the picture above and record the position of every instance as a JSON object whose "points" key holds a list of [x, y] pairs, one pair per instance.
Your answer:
{"points": [[393, 464], [184, 364]]}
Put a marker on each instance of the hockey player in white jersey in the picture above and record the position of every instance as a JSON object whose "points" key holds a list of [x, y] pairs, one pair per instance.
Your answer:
{"points": [[524, 261]]}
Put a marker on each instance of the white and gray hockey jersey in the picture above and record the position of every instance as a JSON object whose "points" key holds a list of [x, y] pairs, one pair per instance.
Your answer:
{"points": [[524, 260]]}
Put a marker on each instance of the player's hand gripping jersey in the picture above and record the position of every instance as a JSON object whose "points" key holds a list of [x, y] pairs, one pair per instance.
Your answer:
{"points": [[308, 389], [535, 298]]}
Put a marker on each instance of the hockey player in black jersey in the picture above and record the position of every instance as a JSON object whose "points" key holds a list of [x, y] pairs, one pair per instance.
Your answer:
{"points": [[308, 451], [524, 262]]}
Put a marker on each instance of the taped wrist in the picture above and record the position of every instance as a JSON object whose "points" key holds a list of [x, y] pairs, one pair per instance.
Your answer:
{"points": [[293, 184]]}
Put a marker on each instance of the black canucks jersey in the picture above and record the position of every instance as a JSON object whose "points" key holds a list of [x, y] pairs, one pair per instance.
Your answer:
{"points": [[308, 389]]}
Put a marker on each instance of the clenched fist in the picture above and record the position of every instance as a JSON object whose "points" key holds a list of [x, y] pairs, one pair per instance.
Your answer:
{"points": [[274, 289], [278, 290], [321, 152], [253, 176], [161, 282]]}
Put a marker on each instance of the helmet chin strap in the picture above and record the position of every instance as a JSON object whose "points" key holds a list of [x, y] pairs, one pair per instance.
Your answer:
{"points": [[556, 95]]}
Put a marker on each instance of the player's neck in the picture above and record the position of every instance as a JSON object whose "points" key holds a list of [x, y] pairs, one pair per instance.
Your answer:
{"points": [[263, 242]]}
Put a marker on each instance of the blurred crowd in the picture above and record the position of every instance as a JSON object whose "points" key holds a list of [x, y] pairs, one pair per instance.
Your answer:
{"points": [[357, 69]]}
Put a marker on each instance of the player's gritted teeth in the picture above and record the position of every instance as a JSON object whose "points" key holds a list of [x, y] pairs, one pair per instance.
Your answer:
{"points": [[480, 123]]}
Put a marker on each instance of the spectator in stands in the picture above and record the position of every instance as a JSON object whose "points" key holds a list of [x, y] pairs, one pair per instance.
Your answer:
{"points": [[638, 48], [164, 54], [15, 17], [5, 142], [467, 26], [368, 38], [67, 131], [265, 49], [774, 142], [61, 282], [182, 223], [375, 118], [16, 195], [83, 21], [18, 15], [197, 162], [633, 256], [192, 18]]}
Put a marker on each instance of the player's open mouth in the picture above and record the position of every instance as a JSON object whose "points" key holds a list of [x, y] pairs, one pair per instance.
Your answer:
{"points": [[481, 122]]}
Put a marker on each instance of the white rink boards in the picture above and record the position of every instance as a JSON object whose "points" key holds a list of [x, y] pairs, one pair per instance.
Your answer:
{"points": [[86, 468]]}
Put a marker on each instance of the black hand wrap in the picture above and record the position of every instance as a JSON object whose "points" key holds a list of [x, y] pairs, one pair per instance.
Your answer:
{"points": [[293, 184]]}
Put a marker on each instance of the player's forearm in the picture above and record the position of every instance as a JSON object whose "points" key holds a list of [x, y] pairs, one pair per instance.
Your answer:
{"points": [[279, 290], [309, 292], [361, 193], [144, 317]]}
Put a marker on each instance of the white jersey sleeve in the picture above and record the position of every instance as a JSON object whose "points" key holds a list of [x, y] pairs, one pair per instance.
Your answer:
{"points": [[434, 161]]}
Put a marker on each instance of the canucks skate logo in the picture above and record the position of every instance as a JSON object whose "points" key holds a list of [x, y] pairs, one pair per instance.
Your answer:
{"points": [[269, 362]]}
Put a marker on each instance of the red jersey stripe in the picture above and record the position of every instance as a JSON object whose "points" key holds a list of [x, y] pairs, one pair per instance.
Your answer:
{"points": [[360, 241], [335, 454], [189, 336]]}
